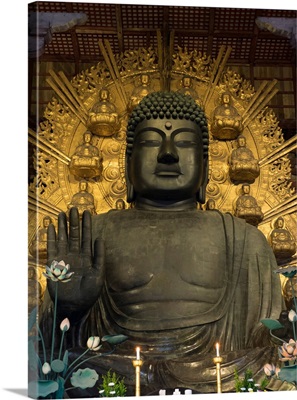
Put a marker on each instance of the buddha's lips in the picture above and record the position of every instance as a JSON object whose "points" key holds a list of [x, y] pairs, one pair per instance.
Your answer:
{"points": [[168, 171]]}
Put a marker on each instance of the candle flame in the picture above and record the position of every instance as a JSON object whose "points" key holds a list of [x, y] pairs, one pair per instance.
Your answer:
{"points": [[218, 349]]}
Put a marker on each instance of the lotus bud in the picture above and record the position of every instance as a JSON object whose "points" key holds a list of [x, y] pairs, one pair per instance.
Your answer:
{"points": [[93, 343], [46, 368], [292, 316], [65, 325]]}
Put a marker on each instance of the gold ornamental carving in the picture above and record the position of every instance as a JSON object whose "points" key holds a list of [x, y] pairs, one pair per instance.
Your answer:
{"points": [[71, 114]]}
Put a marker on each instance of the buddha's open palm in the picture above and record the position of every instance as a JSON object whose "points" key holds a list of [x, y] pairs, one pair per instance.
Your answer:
{"points": [[76, 296]]}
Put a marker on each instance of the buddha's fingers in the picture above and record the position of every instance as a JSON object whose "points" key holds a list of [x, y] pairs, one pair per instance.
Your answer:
{"points": [[74, 231], [51, 243], [86, 243], [62, 244]]}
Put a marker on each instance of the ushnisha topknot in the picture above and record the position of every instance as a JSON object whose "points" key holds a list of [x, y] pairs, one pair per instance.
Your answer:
{"points": [[167, 105]]}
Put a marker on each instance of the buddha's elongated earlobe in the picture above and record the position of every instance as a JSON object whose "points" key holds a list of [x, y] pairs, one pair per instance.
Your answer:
{"points": [[130, 187], [201, 194]]}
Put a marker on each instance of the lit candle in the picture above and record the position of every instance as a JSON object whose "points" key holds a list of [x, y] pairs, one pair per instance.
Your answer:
{"points": [[218, 349], [137, 353]]}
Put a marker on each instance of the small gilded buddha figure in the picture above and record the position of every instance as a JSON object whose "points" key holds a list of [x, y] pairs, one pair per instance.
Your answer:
{"points": [[187, 89], [226, 121], [210, 204], [103, 118], [83, 200], [281, 241], [38, 248], [247, 207], [243, 165], [120, 204], [139, 92], [86, 161]]}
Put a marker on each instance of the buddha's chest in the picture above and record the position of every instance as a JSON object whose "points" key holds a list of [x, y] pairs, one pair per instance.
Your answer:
{"points": [[150, 251]]}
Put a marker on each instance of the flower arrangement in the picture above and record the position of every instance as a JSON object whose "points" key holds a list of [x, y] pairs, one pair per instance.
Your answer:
{"points": [[287, 352], [53, 371], [247, 383], [112, 386]]}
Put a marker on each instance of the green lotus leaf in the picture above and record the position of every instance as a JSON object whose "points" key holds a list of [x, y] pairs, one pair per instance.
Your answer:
{"points": [[272, 323], [114, 339], [84, 378], [57, 365], [32, 318], [288, 373], [41, 388], [34, 359]]}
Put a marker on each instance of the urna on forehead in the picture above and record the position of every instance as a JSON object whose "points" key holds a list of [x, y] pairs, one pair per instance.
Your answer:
{"points": [[166, 105]]}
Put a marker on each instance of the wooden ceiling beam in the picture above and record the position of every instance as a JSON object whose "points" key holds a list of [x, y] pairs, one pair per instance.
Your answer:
{"points": [[119, 19]]}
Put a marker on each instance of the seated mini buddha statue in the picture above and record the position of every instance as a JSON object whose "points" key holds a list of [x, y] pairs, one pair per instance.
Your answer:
{"points": [[83, 200], [173, 278], [247, 207], [139, 92], [38, 248], [226, 122], [243, 165], [86, 162], [187, 89], [281, 241], [103, 118]]}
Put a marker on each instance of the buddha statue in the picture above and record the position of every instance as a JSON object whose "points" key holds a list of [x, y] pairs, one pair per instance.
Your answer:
{"points": [[103, 118], [281, 241], [210, 204], [86, 161], [226, 122], [187, 89], [38, 248], [172, 278], [247, 207], [83, 200], [120, 204], [139, 92], [243, 165]]}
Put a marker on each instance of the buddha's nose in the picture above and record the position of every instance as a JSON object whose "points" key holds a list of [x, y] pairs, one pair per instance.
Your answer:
{"points": [[168, 153]]}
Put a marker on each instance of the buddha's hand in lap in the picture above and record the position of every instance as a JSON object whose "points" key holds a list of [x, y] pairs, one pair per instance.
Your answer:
{"points": [[76, 296]]}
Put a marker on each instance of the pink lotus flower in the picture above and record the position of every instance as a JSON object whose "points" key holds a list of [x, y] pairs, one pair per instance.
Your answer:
{"points": [[271, 369], [288, 351]]}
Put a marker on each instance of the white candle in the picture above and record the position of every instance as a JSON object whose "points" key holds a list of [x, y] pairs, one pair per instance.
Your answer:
{"points": [[218, 349], [137, 353]]}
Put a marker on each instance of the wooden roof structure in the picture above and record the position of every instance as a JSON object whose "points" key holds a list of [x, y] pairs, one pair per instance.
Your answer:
{"points": [[258, 37]]}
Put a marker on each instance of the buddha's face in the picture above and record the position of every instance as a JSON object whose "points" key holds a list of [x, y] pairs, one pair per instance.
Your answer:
{"points": [[87, 137], [246, 189], [226, 98], [145, 79], [187, 82], [167, 159], [104, 94], [241, 141]]}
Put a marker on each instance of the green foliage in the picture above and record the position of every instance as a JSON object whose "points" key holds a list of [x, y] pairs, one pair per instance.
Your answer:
{"points": [[247, 383], [112, 385]]}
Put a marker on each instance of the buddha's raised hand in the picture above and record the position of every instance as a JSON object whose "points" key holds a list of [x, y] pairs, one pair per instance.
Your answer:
{"points": [[76, 296]]}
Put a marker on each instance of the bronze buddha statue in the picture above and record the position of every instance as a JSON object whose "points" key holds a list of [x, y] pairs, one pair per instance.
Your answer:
{"points": [[173, 278], [226, 122], [103, 118], [247, 207], [281, 241], [243, 165], [86, 161], [83, 200]]}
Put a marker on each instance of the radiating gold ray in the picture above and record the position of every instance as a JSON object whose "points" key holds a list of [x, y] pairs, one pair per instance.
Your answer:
{"points": [[261, 102], [74, 94], [47, 147], [218, 75], [65, 100], [280, 151], [111, 64]]}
